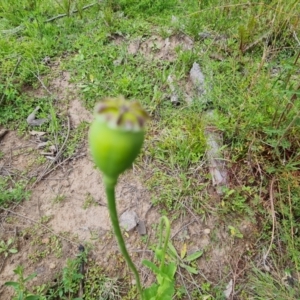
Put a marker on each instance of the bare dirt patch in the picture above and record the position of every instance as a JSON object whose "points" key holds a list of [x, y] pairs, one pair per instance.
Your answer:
{"points": [[157, 47]]}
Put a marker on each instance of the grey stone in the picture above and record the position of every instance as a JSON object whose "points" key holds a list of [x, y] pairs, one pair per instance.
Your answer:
{"points": [[129, 220]]}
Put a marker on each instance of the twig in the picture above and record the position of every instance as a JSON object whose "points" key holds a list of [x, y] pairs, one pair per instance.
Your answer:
{"points": [[14, 30], [61, 163], [37, 76], [265, 36], [182, 227], [2, 265], [296, 38], [81, 270], [261, 176], [74, 11], [39, 223], [183, 282], [140, 250], [273, 218], [262, 63], [190, 211], [192, 280], [236, 274], [225, 6], [21, 27], [41, 82], [46, 171], [288, 128]]}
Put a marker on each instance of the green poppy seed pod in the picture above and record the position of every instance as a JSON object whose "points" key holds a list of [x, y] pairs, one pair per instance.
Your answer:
{"points": [[116, 135]]}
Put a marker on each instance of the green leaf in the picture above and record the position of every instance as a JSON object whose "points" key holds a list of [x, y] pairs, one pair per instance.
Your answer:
{"points": [[20, 295], [15, 285], [193, 256], [13, 251], [151, 266], [170, 270], [172, 251], [183, 251], [32, 297], [150, 292], [166, 289], [189, 269], [30, 277]]}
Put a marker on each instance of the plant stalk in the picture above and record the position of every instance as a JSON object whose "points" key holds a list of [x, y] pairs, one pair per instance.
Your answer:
{"points": [[167, 237], [110, 193]]}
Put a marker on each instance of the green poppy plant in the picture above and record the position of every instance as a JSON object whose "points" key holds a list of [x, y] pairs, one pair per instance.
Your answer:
{"points": [[116, 136]]}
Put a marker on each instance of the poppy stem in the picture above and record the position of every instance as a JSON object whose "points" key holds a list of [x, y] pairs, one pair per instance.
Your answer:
{"points": [[110, 193]]}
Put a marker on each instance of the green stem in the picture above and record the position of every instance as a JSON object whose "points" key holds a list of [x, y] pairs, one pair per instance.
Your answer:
{"points": [[110, 193], [167, 237]]}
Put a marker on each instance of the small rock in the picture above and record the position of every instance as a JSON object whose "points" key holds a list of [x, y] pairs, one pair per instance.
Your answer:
{"points": [[32, 121], [128, 220], [52, 266], [206, 231], [204, 35], [141, 228], [45, 241], [42, 145], [174, 20], [65, 184], [174, 96], [46, 60], [53, 148], [118, 61], [37, 133], [216, 163], [43, 139], [229, 289], [197, 78], [50, 157], [40, 270]]}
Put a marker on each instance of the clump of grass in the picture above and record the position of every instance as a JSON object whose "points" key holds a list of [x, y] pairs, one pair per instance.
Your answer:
{"points": [[147, 7], [12, 192], [175, 147], [59, 198], [97, 284], [178, 142]]}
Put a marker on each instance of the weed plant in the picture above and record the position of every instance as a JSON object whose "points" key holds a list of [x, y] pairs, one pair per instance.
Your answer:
{"points": [[12, 192]]}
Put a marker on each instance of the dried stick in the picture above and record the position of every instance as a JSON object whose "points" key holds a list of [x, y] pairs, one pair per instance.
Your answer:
{"points": [[296, 38], [288, 128], [46, 171], [190, 211], [21, 27], [74, 11], [273, 218], [41, 82]]}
